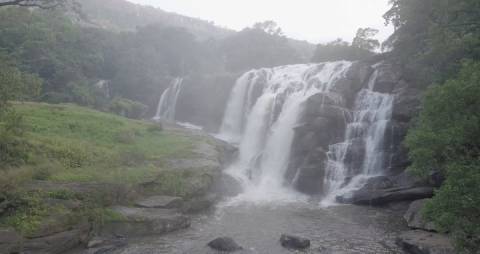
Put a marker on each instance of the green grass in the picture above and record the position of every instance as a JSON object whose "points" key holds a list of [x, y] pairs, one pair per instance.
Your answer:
{"points": [[71, 144], [90, 146]]}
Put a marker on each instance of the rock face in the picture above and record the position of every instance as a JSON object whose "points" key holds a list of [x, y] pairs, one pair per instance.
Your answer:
{"points": [[224, 244], [197, 104], [414, 217], [294, 242], [145, 221], [326, 116], [421, 242]]}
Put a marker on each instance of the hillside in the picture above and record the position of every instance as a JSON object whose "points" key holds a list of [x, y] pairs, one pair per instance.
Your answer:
{"points": [[121, 15], [80, 162]]}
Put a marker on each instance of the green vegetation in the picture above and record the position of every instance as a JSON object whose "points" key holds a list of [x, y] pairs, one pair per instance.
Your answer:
{"points": [[84, 160], [447, 138], [438, 42], [361, 48]]}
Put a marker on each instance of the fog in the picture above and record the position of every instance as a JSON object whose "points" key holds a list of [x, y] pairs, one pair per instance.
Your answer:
{"points": [[312, 20]]}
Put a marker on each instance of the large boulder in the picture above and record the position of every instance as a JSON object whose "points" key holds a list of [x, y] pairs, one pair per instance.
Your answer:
{"points": [[309, 179], [56, 243], [144, 221], [165, 202], [421, 242], [385, 196], [414, 216], [224, 244], [294, 242]]}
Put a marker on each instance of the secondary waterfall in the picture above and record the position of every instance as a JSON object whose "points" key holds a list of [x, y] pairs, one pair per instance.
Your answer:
{"points": [[263, 109], [168, 101], [371, 114]]}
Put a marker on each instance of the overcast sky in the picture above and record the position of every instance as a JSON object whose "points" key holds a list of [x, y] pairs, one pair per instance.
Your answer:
{"points": [[312, 20]]}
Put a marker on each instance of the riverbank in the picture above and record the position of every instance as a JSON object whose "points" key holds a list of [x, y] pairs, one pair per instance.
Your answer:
{"points": [[82, 165]]}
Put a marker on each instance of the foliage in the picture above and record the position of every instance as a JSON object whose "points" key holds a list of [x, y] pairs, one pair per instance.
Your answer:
{"points": [[260, 46], [14, 84], [447, 139], [433, 36], [269, 27], [363, 39], [128, 108], [339, 50]]}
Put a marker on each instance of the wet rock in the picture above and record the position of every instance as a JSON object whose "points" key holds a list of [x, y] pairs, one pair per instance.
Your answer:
{"points": [[414, 216], [379, 182], [294, 242], [199, 204], [226, 186], [10, 241], [165, 202], [421, 242], [56, 243], [225, 244], [145, 221], [385, 196], [407, 103], [103, 246], [354, 156], [386, 80], [309, 179]]}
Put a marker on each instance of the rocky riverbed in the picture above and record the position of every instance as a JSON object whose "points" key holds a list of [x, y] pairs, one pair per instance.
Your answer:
{"points": [[258, 228]]}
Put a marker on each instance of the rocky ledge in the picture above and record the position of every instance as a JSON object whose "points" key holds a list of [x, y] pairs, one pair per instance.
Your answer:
{"points": [[145, 221]]}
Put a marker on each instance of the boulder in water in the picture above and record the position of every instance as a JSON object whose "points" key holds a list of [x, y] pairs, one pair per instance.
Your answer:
{"points": [[294, 242], [385, 196], [421, 242], [414, 216], [225, 244]]}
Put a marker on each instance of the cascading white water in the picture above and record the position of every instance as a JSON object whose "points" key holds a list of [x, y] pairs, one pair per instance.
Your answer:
{"points": [[264, 125], [168, 101], [371, 113]]}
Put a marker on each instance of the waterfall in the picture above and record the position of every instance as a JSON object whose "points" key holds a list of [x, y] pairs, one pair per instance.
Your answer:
{"points": [[364, 135], [168, 101], [263, 109]]}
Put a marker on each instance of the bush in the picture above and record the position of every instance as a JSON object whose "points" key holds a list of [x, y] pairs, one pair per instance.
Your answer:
{"points": [[128, 108], [447, 139], [13, 149]]}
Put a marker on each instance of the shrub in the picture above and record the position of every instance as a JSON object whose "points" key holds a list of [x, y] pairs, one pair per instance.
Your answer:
{"points": [[128, 108], [447, 139]]}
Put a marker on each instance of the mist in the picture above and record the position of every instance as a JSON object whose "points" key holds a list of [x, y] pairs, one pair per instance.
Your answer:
{"points": [[315, 21]]}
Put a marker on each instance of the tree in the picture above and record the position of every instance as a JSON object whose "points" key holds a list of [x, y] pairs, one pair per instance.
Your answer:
{"points": [[363, 39], [446, 138], [255, 48], [339, 50], [269, 27], [433, 36]]}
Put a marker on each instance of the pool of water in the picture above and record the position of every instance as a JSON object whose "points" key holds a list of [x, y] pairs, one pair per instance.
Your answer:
{"points": [[257, 227]]}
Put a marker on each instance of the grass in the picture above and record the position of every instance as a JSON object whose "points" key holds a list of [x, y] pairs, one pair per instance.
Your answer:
{"points": [[71, 144], [84, 145]]}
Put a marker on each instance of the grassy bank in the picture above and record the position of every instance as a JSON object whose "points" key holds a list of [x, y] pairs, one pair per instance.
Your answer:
{"points": [[79, 161]]}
